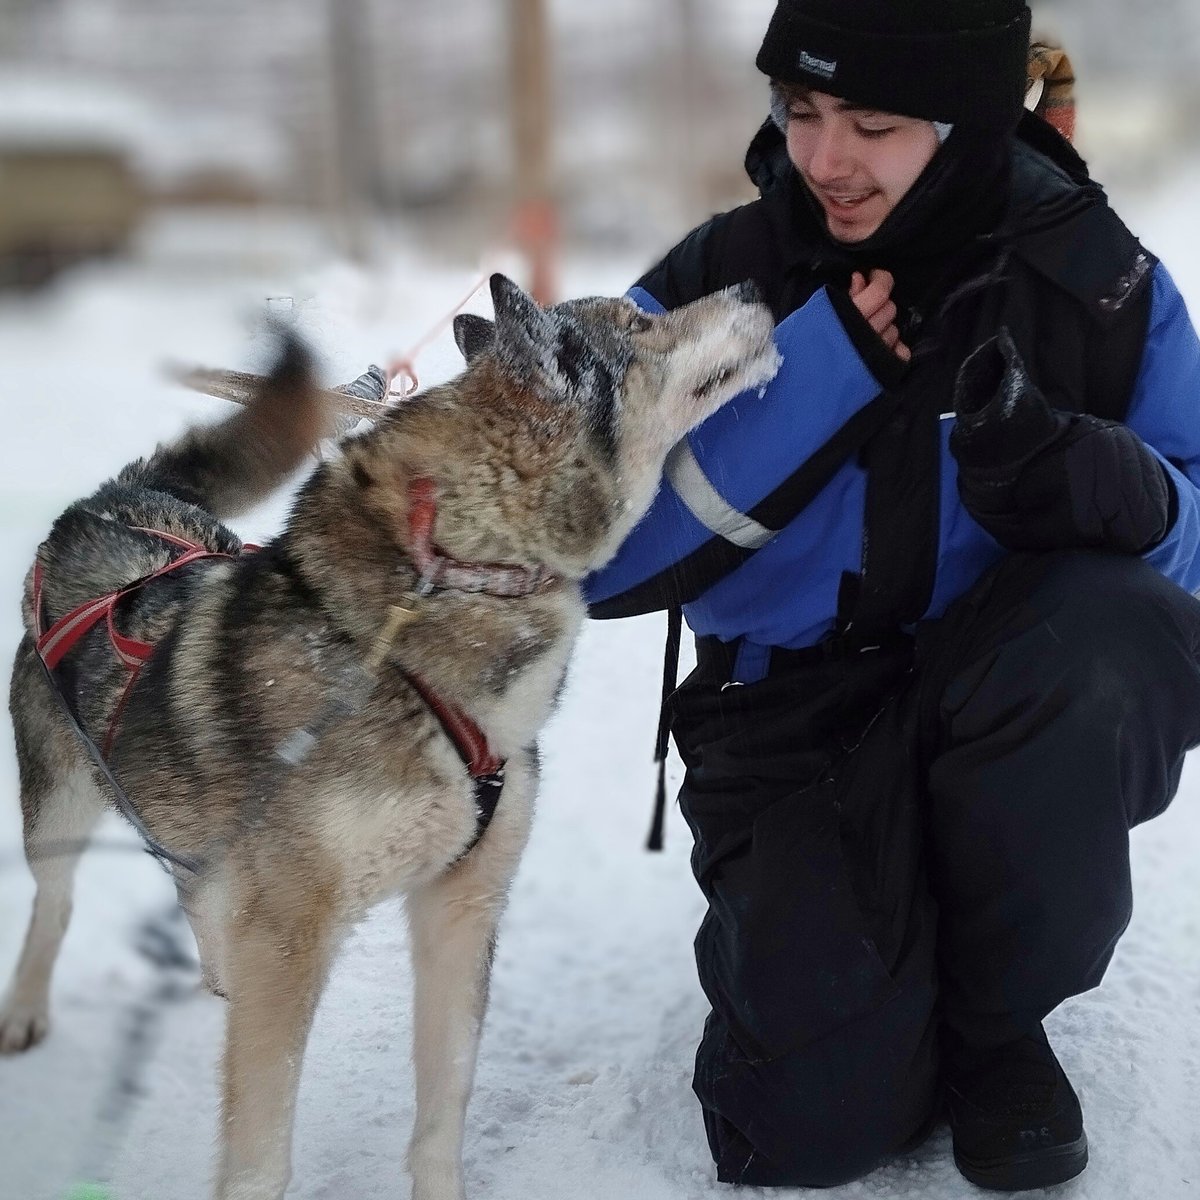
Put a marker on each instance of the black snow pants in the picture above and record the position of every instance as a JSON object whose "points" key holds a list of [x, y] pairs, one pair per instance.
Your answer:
{"points": [[932, 832]]}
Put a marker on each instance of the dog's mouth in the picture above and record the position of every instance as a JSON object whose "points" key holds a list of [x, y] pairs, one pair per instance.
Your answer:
{"points": [[716, 380], [756, 369]]}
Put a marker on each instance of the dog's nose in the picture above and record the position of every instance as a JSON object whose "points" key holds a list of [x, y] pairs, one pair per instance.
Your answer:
{"points": [[748, 292]]}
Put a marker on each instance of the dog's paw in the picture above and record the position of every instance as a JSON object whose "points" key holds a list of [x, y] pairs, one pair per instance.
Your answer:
{"points": [[438, 1190], [435, 1178], [22, 1026]]}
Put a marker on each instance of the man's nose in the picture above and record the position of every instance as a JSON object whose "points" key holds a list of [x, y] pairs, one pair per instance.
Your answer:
{"points": [[830, 160]]}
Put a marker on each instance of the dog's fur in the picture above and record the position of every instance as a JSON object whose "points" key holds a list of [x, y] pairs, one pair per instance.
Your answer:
{"points": [[545, 452]]}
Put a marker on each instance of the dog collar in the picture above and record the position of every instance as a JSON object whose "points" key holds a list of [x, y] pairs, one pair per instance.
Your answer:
{"points": [[440, 570]]}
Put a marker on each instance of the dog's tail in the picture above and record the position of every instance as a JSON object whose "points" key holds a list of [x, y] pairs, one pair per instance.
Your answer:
{"points": [[229, 467]]}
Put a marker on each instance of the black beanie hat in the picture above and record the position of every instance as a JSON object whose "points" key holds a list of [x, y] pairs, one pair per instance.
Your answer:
{"points": [[957, 61]]}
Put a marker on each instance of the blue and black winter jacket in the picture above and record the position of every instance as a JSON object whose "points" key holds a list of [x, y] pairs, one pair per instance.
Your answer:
{"points": [[886, 541]]}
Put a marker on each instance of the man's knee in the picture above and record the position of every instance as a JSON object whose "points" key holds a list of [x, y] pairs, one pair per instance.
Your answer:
{"points": [[1104, 637], [1108, 607]]}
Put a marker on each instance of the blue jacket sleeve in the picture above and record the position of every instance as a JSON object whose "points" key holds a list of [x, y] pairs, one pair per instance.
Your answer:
{"points": [[753, 443], [1165, 412]]}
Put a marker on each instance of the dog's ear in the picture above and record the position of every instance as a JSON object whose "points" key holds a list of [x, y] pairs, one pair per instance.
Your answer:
{"points": [[526, 336], [473, 335]]}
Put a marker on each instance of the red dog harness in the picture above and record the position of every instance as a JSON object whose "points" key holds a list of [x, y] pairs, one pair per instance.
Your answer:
{"points": [[437, 569], [506, 580], [67, 632]]}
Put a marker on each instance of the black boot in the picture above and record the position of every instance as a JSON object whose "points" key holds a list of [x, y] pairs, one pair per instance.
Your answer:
{"points": [[1016, 1119]]}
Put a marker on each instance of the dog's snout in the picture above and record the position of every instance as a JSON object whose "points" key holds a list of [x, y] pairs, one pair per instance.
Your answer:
{"points": [[748, 292]]}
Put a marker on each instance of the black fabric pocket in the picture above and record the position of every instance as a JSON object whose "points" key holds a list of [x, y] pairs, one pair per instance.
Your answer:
{"points": [[784, 954]]}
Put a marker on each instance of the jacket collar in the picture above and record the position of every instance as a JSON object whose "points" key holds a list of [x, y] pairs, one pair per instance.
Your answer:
{"points": [[971, 195]]}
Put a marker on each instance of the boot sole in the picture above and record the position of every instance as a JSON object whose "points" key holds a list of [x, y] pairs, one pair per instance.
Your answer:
{"points": [[1023, 1172]]}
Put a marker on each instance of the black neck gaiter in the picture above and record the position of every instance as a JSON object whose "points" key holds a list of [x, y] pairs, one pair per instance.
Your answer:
{"points": [[928, 240]]}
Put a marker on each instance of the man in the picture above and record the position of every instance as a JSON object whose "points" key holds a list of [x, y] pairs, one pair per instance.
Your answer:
{"points": [[939, 578]]}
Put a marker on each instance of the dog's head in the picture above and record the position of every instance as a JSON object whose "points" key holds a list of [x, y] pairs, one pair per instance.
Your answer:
{"points": [[550, 446]]}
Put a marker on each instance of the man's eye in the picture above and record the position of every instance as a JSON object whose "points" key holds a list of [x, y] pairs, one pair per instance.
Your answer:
{"points": [[795, 115], [868, 131]]}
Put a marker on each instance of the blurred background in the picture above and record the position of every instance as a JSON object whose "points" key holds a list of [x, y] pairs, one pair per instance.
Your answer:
{"points": [[250, 136], [171, 168]]}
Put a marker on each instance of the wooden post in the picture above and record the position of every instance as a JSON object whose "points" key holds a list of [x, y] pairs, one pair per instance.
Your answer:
{"points": [[535, 220], [353, 130]]}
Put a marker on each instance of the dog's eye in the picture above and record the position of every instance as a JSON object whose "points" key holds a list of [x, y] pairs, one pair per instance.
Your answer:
{"points": [[639, 323]]}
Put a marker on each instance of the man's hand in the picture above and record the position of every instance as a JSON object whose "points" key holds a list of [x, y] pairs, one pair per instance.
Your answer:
{"points": [[873, 298], [1039, 479]]}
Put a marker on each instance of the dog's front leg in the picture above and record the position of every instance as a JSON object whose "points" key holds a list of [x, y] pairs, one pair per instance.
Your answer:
{"points": [[273, 971], [453, 925]]}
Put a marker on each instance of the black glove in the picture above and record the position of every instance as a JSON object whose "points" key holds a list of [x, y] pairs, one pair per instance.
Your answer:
{"points": [[1039, 479]]}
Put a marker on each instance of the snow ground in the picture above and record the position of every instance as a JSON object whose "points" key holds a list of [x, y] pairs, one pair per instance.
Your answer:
{"points": [[583, 1087]]}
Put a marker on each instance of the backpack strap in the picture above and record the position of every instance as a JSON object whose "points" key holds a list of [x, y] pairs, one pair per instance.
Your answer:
{"points": [[662, 739]]}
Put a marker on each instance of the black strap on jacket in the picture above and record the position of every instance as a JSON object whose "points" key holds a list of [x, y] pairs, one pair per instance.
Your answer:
{"points": [[687, 580], [663, 737]]}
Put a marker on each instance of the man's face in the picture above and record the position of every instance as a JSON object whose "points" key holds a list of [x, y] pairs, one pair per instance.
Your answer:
{"points": [[858, 162]]}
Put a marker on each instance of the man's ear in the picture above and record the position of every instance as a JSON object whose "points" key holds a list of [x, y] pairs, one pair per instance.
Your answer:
{"points": [[473, 335]]}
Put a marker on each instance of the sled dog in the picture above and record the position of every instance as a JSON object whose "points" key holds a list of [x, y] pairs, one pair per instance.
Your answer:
{"points": [[311, 726]]}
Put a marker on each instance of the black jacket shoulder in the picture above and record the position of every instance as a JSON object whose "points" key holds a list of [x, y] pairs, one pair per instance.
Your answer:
{"points": [[1077, 294], [702, 263], [1061, 226]]}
